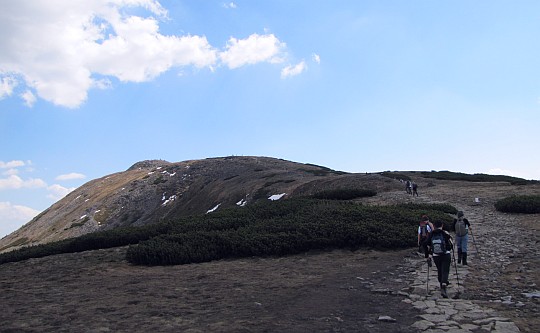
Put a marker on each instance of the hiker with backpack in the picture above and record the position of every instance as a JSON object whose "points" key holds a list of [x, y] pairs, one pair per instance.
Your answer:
{"points": [[414, 189], [424, 229], [462, 226], [440, 247]]}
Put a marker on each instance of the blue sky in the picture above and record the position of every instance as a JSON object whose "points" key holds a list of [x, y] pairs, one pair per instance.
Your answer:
{"points": [[88, 88]]}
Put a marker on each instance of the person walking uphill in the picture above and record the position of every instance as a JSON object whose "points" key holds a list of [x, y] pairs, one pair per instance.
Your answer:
{"points": [[462, 226], [424, 229], [440, 248]]}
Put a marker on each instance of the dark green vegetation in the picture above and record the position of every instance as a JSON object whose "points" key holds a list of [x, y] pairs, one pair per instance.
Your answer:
{"points": [[395, 175], [344, 194], [449, 175], [266, 228], [528, 204], [477, 177]]}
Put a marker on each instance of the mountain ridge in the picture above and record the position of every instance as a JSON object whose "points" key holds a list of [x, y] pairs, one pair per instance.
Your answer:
{"points": [[154, 190]]}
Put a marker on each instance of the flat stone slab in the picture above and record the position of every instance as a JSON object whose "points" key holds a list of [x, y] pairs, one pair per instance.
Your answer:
{"points": [[505, 327], [423, 325], [435, 318]]}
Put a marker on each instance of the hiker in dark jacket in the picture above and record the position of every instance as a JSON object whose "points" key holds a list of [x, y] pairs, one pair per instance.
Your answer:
{"points": [[425, 227], [440, 246], [414, 189], [462, 226]]}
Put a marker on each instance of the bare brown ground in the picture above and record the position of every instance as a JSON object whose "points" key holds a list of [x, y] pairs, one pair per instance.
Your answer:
{"points": [[337, 291], [99, 291]]}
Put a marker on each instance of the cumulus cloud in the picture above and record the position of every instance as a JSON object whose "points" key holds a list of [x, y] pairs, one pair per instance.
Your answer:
{"points": [[9, 211], [57, 192], [293, 70], [29, 98], [11, 164], [7, 83], [70, 176], [13, 182], [256, 48], [10, 172], [13, 216], [57, 49], [316, 58]]}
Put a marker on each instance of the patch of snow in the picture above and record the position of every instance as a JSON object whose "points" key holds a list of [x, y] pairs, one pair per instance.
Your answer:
{"points": [[82, 217], [86, 200], [172, 174], [97, 211], [187, 166], [213, 209], [158, 168], [171, 199], [123, 188], [151, 172], [163, 197], [276, 196], [241, 203], [77, 197]]}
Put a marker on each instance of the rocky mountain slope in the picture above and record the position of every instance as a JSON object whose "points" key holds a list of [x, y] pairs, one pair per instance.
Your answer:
{"points": [[151, 191]]}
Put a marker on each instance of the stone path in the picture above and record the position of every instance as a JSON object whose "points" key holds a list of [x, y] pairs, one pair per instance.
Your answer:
{"points": [[452, 314], [502, 271]]}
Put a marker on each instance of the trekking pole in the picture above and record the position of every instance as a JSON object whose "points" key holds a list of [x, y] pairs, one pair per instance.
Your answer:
{"points": [[427, 281], [457, 275], [474, 242]]}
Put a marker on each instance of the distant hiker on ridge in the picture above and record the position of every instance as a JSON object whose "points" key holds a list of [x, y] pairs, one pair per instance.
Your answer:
{"points": [[462, 226], [414, 189], [440, 248]]}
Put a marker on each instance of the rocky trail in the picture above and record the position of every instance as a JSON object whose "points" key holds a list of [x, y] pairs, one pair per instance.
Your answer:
{"points": [[335, 291], [499, 291]]}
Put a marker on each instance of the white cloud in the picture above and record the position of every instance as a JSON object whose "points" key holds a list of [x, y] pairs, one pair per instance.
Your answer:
{"points": [[254, 49], [57, 192], [8, 211], [7, 83], [11, 164], [293, 70], [70, 176], [229, 5], [10, 172], [14, 182], [56, 49], [316, 58], [29, 98], [13, 216]]}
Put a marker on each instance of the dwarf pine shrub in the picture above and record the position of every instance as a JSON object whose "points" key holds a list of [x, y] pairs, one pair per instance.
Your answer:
{"points": [[527, 204], [267, 228], [283, 228], [344, 194]]}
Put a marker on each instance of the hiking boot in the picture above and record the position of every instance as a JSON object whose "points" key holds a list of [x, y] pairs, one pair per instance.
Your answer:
{"points": [[443, 291], [459, 255], [465, 258]]}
